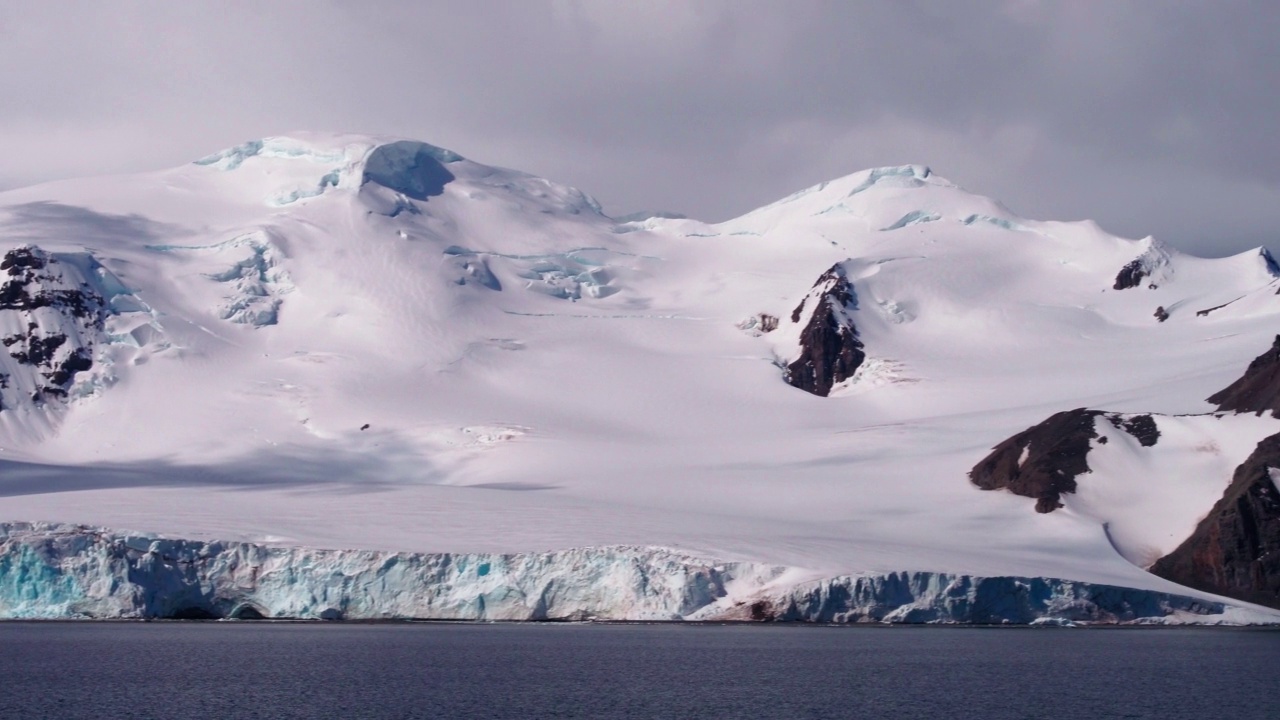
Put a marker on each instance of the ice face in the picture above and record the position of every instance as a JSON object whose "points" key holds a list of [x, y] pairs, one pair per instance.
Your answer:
{"points": [[573, 275], [255, 277], [903, 176], [914, 217], [413, 169], [923, 597], [231, 158], [326, 181], [51, 571], [997, 221], [273, 147], [68, 571]]}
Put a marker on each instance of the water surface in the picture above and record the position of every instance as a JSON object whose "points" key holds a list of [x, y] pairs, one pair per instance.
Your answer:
{"points": [[235, 671]]}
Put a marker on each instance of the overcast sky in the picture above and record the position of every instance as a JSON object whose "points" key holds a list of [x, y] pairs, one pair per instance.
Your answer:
{"points": [[1150, 117]]}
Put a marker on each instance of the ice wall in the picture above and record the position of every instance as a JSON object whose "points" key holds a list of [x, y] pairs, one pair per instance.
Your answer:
{"points": [[923, 597], [71, 571], [57, 571]]}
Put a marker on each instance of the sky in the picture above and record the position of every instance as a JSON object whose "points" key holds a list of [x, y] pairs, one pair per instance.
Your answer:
{"points": [[1152, 117]]}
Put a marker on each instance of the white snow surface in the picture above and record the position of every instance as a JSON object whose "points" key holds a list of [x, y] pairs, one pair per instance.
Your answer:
{"points": [[359, 342]]}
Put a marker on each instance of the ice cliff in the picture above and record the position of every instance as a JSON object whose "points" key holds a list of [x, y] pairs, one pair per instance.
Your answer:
{"points": [[72, 571], [58, 571], [923, 597]]}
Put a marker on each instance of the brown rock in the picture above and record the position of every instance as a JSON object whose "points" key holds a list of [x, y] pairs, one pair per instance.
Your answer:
{"points": [[830, 351], [1235, 550], [1041, 462], [1130, 276], [1258, 390]]}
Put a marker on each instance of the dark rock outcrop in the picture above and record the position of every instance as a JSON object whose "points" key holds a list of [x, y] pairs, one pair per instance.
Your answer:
{"points": [[60, 316], [1041, 462], [1235, 550], [1141, 427], [1205, 312], [1130, 275], [830, 350], [1270, 262], [1149, 268], [64, 371], [1258, 390]]}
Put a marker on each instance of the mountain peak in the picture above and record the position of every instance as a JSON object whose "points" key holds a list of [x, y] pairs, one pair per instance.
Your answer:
{"points": [[302, 165]]}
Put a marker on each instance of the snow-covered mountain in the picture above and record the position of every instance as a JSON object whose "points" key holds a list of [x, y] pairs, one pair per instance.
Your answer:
{"points": [[335, 341]]}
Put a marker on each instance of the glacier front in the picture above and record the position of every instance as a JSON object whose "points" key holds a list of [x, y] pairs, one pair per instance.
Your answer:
{"points": [[55, 571]]}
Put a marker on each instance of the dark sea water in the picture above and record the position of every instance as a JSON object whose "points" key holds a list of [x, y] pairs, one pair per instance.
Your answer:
{"points": [[230, 671]]}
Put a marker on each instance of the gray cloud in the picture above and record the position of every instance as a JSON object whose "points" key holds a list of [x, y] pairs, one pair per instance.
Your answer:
{"points": [[1151, 117]]}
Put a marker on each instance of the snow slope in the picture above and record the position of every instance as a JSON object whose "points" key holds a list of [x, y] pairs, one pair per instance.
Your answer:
{"points": [[356, 342]]}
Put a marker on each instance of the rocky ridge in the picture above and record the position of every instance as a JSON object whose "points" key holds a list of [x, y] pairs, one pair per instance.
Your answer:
{"points": [[1235, 550], [1043, 461], [830, 350], [1258, 390], [51, 320]]}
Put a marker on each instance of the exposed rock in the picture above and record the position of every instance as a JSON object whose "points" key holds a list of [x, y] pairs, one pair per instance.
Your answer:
{"points": [[1235, 550], [1205, 312], [1270, 262], [759, 324], [795, 314], [78, 361], [830, 351], [1256, 391], [1152, 265], [22, 258], [1141, 427], [29, 289], [39, 350], [58, 318], [1130, 275], [1041, 462]]}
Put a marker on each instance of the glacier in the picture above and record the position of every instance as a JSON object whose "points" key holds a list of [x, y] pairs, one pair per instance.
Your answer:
{"points": [[324, 374], [63, 571], [927, 597]]}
